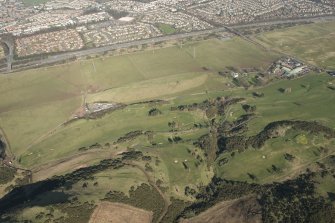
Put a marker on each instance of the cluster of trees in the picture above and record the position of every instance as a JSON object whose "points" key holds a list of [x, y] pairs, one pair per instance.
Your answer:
{"points": [[270, 131], [154, 112], [93, 146], [6, 174], [175, 139], [232, 143], [27, 193], [238, 126], [144, 196], [132, 155], [190, 191], [146, 158], [295, 201], [249, 108], [289, 201], [258, 94], [116, 13], [209, 143], [75, 212], [130, 136], [223, 161], [2, 149], [220, 104], [175, 209], [288, 157], [153, 102], [331, 88], [216, 191]]}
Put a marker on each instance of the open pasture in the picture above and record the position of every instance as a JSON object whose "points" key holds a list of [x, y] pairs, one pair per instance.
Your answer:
{"points": [[35, 103], [313, 42]]}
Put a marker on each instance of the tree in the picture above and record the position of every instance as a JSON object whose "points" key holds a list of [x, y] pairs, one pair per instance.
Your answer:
{"points": [[154, 112]]}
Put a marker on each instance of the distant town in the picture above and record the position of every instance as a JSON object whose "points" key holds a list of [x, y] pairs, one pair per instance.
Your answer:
{"points": [[70, 25]]}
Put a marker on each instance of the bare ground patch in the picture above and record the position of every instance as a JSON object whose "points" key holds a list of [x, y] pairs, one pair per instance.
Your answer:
{"points": [[107, 212], [243, 210]]}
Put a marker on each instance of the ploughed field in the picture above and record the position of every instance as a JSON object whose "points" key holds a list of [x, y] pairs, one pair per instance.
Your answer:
{"points": [[185, 138]]}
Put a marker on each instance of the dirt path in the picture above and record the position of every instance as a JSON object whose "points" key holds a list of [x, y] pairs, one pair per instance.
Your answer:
{"points": [[298, 168], [245, 209], [44, 136], [153, 184]]}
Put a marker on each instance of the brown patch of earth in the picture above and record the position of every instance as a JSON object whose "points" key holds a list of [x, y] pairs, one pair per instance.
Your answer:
{"points": [[80, 112], [93, 89], [243, 210], [107, 212]]}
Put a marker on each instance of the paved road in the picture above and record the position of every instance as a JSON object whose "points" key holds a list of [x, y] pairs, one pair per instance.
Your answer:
{"points": [[99, 50], [277, 22]]}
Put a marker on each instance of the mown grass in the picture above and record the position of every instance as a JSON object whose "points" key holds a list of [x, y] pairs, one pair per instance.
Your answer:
{"points": [[310, 99], [259, 162]]}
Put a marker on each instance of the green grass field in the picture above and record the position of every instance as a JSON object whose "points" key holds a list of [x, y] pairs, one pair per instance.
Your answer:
{"points": [[121, 180], [259, 162], [35, 102], [171, 171], [166, 29], [312, 42]]}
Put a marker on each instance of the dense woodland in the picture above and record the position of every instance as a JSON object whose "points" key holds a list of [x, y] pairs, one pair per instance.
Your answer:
{"points": [[2, 149], [290, 201], [144, 197]]}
